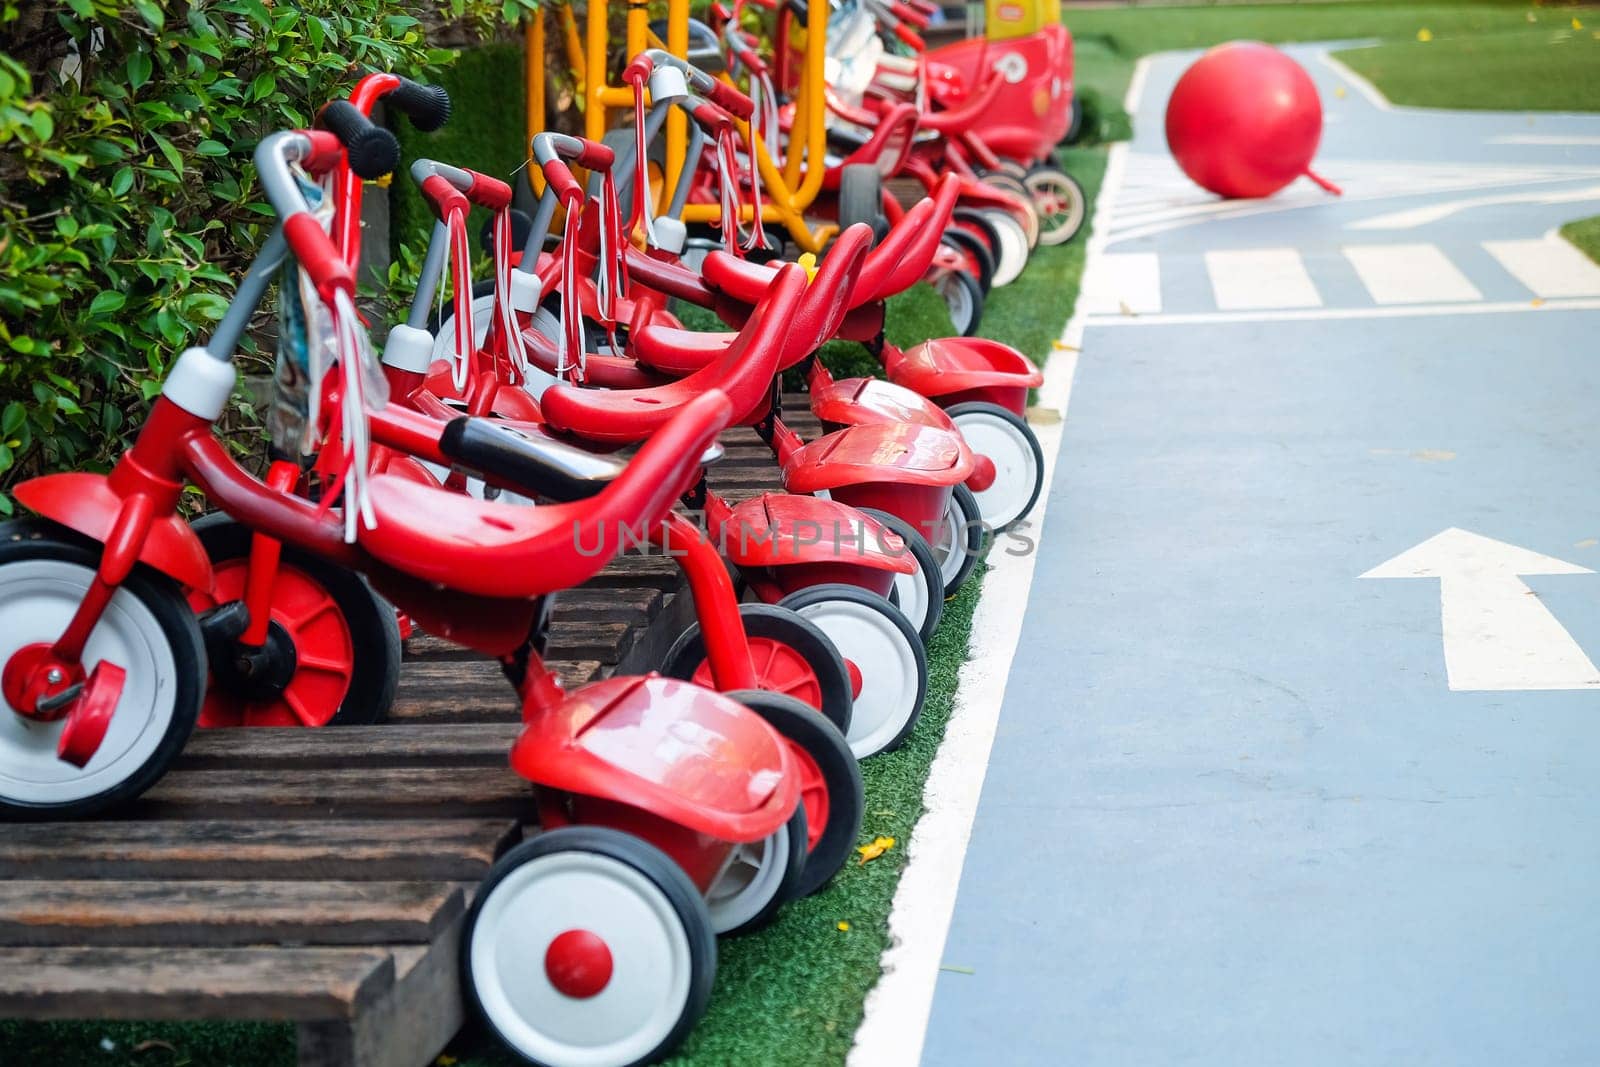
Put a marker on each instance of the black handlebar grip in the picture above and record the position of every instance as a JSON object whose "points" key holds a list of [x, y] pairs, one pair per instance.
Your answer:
{"points": [[428, 106], [372, 150], [799, 9]]}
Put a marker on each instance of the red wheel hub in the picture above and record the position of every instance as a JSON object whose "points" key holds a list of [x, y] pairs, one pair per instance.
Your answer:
{"points": [[34, 673], [324, 654], [855, 678], [983, 473], [813, 794], [578, 963], [779, 669]]}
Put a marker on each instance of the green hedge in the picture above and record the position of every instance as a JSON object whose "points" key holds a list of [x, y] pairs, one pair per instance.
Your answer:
{"points": [[127, 198], [487, 132]]}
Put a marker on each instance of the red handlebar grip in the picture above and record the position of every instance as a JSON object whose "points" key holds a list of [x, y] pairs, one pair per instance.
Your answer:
{"points": [[326, 151], [314, 249], [488, 192], [595, 155], [444, 197], [708, 114], [639, 70], [906, 34], [913, 15], [732, 99], [561, 179]]}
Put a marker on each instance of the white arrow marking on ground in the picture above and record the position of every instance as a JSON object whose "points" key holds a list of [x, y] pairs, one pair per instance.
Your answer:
{"points": [[1497, 634], [1422, 216]]}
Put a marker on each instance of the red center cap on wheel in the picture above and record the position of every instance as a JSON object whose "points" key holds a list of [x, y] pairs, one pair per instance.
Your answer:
{"points": [[578, 963]]}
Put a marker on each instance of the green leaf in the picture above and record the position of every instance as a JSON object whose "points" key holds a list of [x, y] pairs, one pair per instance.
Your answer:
{"points": [[150, 11], [262, 87], [167, 150], [6, 457], [211, 148], [26, 345], [43, 125], [122, 181], [12, 418], [107, 302], [6, 507], [139, 67]]}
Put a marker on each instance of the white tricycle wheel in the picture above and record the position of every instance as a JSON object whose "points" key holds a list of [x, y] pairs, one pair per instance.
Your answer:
{"points": [[997, 433], [883, 649], [147, 629], [1012, 255], [587, 947], [759, 878]]}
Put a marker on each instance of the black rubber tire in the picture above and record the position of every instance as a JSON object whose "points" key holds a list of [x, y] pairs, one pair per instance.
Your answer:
{"points": [[1075, 123], [960, 290], [978, 250], [1010, 181], [971, 539], [1024, 430], [653, 864], [481, 288], [34, 539], [1008, 168], [794, 869], [374, 629], [774, 623], [895, 618], [861, 198], [917, 542], [977, 220], [1070, 223], [841, 775]]}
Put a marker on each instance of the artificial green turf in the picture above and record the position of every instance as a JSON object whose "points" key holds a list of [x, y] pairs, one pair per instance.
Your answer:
{"points": [[487, 131], [1585, 233], [1540, 69], [1109, 40]]}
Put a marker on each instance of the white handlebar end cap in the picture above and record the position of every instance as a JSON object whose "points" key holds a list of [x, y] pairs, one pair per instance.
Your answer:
{"points": [[200, 383], [409, 348], [667, 83], [670, 235]]}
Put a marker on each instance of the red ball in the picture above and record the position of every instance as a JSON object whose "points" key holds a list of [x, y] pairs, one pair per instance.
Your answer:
{"points": [[1244, 120]]}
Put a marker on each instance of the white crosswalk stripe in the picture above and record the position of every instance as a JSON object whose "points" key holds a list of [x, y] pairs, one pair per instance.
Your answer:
{"points": [[1124, 283], [1410, 274], [1250, 279], [1548, 266]]}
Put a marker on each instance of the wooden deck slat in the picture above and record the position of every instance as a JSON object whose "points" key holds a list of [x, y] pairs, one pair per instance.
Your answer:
{"points": [[386, 745], [381, 792], [358, 851], [257, 983], [221, 914]]}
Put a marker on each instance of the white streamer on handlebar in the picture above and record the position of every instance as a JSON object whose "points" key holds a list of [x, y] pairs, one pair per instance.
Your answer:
{"points": [[609, 283], [505, 314], [763, 124], [728, 183], [355, 357], [571, 359], [642, 211], [461, 284]]}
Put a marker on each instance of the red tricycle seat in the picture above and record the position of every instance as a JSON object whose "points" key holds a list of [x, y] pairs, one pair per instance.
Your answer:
{"points": [[966, 368], [865, 401], [502, 550], [902, 454], [779, 529], [672, 748], [744, 371]]}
